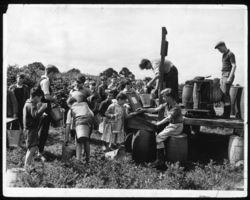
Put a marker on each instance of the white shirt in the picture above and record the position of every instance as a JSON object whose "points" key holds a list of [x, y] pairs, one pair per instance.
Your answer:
{"points": [[45, 85], [156, 66]]}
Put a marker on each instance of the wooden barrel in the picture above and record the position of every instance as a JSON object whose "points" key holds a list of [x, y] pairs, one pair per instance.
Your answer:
{"points": [[68, 151], [235, 149], [235, 96], [128, 142], [144, 146], [196, 96], [242, 105], [187, 95], [177, 148]]}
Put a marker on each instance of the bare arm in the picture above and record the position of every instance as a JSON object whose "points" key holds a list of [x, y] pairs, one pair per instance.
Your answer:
{"points": [[110, 112], [155, 79], [163, 121], [157, 109], [232, 72]]}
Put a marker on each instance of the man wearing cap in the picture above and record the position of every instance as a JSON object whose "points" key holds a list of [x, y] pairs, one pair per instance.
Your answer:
{"points": [[170, 76], [45, 84], [173, 118], [228, 71]]}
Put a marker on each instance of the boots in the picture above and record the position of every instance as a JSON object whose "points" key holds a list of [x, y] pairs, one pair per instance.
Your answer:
{"points": [[160, 161], [227, 112]]}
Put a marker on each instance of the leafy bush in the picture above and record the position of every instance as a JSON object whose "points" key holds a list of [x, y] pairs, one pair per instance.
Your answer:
{"points": [[125, 173]]}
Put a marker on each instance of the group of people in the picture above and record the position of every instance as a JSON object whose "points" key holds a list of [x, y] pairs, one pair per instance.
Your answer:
{"points": [[91, 105]]}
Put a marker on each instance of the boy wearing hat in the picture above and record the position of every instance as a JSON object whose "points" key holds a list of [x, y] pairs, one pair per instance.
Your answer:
{"points": [[174, 118], [228, 71]]}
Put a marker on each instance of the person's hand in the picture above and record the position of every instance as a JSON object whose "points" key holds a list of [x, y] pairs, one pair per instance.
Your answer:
{"points": [[15, 116], [140, 109]]}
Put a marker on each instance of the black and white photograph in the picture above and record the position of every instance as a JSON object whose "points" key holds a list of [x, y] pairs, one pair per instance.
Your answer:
{"points": [[125, 100]]}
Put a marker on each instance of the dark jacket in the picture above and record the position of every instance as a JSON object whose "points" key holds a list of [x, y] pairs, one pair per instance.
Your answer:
{"points": [[11, 104]]}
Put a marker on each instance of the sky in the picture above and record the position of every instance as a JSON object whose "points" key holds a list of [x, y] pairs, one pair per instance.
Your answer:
{"points": [[93, 38]]}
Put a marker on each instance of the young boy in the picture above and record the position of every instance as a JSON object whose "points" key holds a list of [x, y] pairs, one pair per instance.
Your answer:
{"points": [[32, 112], [174, 118]]}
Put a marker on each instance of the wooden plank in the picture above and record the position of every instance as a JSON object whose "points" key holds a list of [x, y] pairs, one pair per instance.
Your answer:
{"points": [[161, 70], [229, 123], [140, 123]]}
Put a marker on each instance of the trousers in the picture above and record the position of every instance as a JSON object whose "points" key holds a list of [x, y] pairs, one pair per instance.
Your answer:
{"points": [[43, 131], [170, 130]]}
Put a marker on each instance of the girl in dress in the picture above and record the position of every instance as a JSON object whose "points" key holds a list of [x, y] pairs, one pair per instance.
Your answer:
{"points": [[114, 122]]}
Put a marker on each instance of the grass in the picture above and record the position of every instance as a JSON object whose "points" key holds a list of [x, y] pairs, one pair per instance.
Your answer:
{"points": [[120, 173]]}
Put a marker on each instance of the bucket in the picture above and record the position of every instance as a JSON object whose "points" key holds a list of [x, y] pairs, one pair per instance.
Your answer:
{"points": [[177, 148], [56, 114], [144, 146], [82, 131], [59, 123], [68, 151], [187, 96], [145, 99], [242, 105], [235, 96], [235, 149]]}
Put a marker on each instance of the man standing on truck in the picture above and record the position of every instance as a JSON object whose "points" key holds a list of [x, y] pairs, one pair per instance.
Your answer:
{"points": [[228, 71]]}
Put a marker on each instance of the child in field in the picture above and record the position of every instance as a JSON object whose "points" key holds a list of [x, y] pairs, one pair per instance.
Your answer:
{"points": [[102, 110], [32, 112], [114, 122], [83, 121]]}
